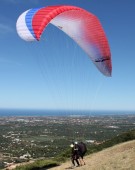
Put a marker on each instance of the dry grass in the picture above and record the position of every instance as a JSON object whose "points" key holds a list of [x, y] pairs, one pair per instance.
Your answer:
{"points": [[118, 157]]}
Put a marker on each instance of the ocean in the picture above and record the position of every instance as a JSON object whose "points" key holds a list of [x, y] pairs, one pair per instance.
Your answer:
{"points": [[32, 112]]}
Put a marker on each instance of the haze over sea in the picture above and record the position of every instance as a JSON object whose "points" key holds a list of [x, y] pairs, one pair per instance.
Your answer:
{"points": [[30, 112]]}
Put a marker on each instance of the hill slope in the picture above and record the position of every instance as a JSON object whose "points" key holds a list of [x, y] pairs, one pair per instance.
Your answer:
{"points": [[119, 157]]}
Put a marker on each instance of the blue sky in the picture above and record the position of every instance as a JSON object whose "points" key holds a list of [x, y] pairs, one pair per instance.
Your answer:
{"points": [[55, 73]]}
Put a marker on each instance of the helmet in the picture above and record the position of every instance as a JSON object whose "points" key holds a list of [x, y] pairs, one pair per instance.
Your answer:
{"points": [[71, 145]]}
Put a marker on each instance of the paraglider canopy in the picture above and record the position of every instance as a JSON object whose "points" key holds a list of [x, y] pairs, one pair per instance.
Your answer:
{"points": [[82, 26]]}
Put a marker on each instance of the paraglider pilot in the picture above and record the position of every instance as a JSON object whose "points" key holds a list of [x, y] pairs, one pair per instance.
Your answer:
{"points": [[74, 154], [78, 152]]}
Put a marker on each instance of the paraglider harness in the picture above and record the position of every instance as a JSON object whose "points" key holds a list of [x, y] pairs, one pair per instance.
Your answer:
{"points": [[82, 149]]}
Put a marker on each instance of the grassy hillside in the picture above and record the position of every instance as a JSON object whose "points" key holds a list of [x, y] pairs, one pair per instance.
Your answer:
{"points": [[124, 137], [128, 136], [118, 157]]}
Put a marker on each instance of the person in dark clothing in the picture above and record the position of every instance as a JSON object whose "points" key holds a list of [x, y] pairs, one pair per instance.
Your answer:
{"points": [[80, 150], [74, 155]]}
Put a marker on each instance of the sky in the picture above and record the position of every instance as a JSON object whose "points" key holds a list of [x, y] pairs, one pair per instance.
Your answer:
{"points": [[56, 73]]}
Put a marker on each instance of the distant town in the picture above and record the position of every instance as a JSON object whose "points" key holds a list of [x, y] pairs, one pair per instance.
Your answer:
{"points": [[28, 138]]}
